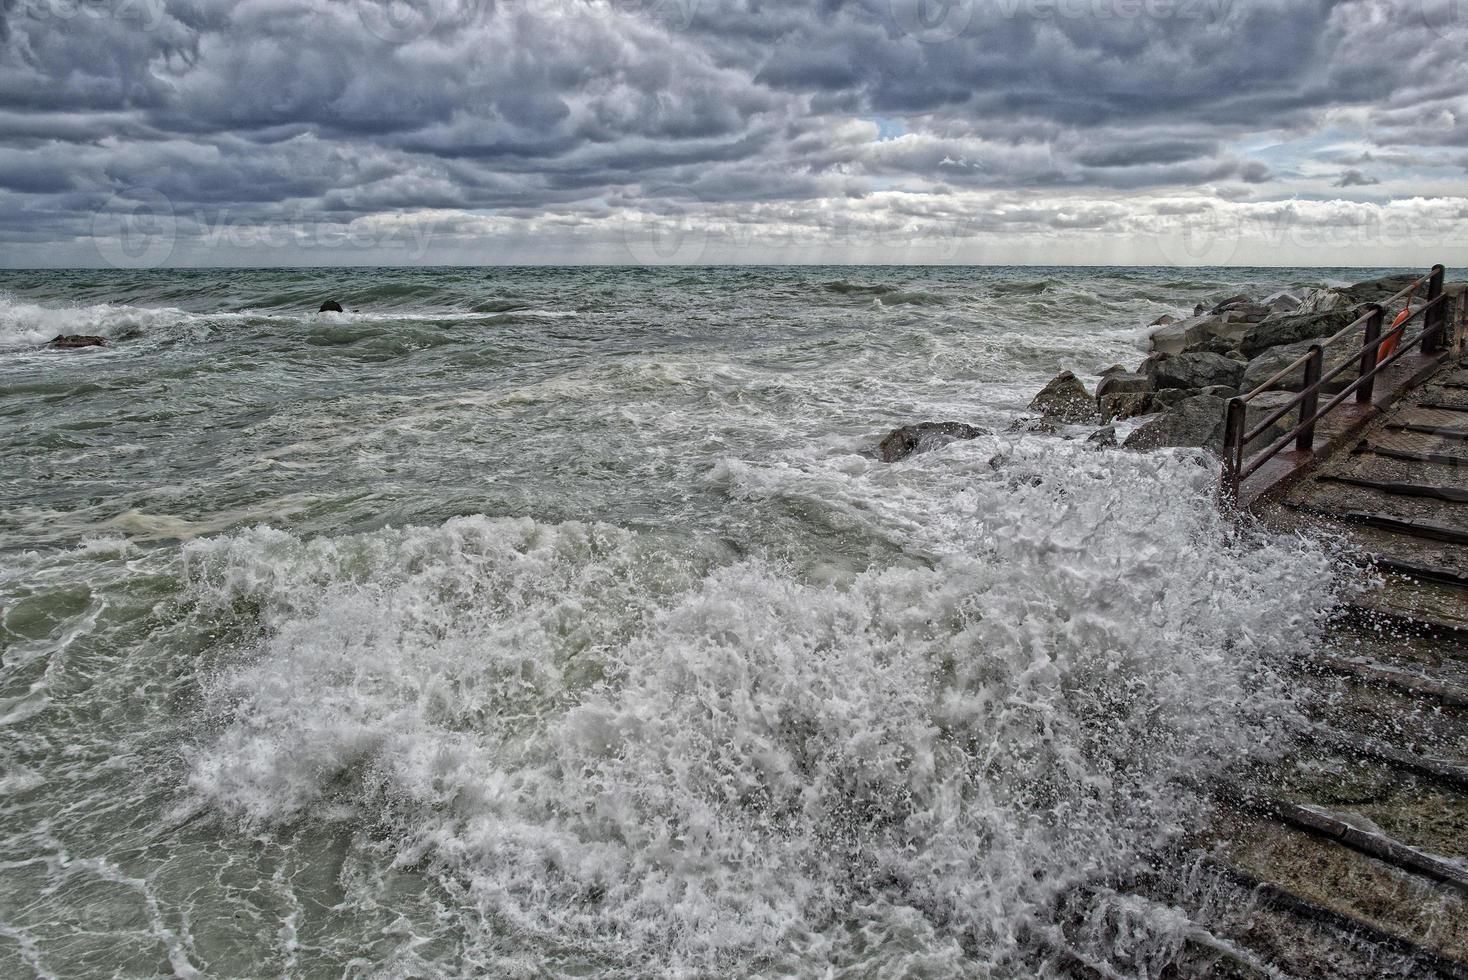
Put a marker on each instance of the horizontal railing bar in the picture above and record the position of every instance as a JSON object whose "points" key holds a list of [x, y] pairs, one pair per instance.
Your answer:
{"points": [[1359, 321], [1289, 406], [1275, 447]]}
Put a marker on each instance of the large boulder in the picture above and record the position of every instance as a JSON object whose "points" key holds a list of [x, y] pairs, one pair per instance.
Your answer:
{"points": [[1192, 370], [1263, 406], [1261, 368], [1118, 406], [1231, 302], [330, 306], [1175, 338], [1065, 400], [1196, 421], [910, 439], [1290, 328], [1123, 383], [1283, 303], [1333, 298], [76, 340]]}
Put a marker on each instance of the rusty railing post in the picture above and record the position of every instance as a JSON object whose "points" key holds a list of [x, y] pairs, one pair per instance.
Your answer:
{"points": [[1305, 441], [1233, 450], [1369, 354], [1435, 318]]}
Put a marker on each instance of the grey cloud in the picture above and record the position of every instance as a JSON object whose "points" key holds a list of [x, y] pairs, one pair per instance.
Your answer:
{"points": [[558, 107]]}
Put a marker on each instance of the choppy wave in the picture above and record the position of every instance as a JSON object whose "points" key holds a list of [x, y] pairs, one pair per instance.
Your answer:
{"points": [[631, 762], [24, 324], [844, 287]]}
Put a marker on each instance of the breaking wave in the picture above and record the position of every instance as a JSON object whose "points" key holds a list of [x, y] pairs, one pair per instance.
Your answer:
{"points": [[626, 751]]}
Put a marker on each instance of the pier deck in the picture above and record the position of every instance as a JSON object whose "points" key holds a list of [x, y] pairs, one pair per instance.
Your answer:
{"points": [[1357, 849]]}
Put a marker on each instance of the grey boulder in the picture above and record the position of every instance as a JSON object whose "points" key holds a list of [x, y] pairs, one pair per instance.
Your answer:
{"points": [[1198, 370], [1290, 328], [1261, 368], [1196, 421], [1123, 383], [1065, 400], [1120, 406]]}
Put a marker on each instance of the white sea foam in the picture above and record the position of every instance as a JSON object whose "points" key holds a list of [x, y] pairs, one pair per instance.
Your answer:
{"points": [[618, 750], [24, 324]]}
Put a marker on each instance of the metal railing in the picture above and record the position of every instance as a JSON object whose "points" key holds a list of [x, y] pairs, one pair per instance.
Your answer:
{"points": [[1431, 338]]}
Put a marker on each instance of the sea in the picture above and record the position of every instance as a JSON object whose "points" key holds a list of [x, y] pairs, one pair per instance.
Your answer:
{"points": [[552, 622]]}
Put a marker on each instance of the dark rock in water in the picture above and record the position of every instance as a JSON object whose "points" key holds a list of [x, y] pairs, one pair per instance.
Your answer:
{"points": [[1192, 370], [1119, 406], [330, 306], [1163, 320], [1105, 436], [75, 340], [1109, 371], [1290, 328], [1231, 302], [1196, 421], [1199, 310], [1065, 400], [1123, 383], [903, 442]]}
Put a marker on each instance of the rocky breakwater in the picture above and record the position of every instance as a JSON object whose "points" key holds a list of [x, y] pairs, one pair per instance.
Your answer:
{"points": [[1178, 395]]}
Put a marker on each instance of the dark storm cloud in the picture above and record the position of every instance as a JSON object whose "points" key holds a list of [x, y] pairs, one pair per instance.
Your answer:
{"points": [[579, 108]]}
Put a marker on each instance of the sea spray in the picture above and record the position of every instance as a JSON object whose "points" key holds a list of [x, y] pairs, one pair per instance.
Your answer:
{"points": [[628, 751]]}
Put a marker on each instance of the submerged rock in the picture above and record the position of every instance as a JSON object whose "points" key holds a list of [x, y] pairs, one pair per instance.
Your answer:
{"points": [[1105, 436], [75, 340], [1195, 421], [1065, 400], [909, 439], [330, 306]]}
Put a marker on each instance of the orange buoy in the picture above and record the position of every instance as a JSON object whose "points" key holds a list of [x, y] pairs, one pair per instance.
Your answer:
{"points": [[1393, 337]]}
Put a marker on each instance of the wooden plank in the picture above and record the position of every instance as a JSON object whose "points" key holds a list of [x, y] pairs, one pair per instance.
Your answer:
{"points": [[1450, 494], [1399, 680], [1397, 525], [1349, 925], [1429, 430], [1379, 846], [1409, 457], [1371, 748], [1430, 573]]}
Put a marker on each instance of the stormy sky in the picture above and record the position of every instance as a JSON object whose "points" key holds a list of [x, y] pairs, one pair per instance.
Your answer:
{"points": [[288, 132]]}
